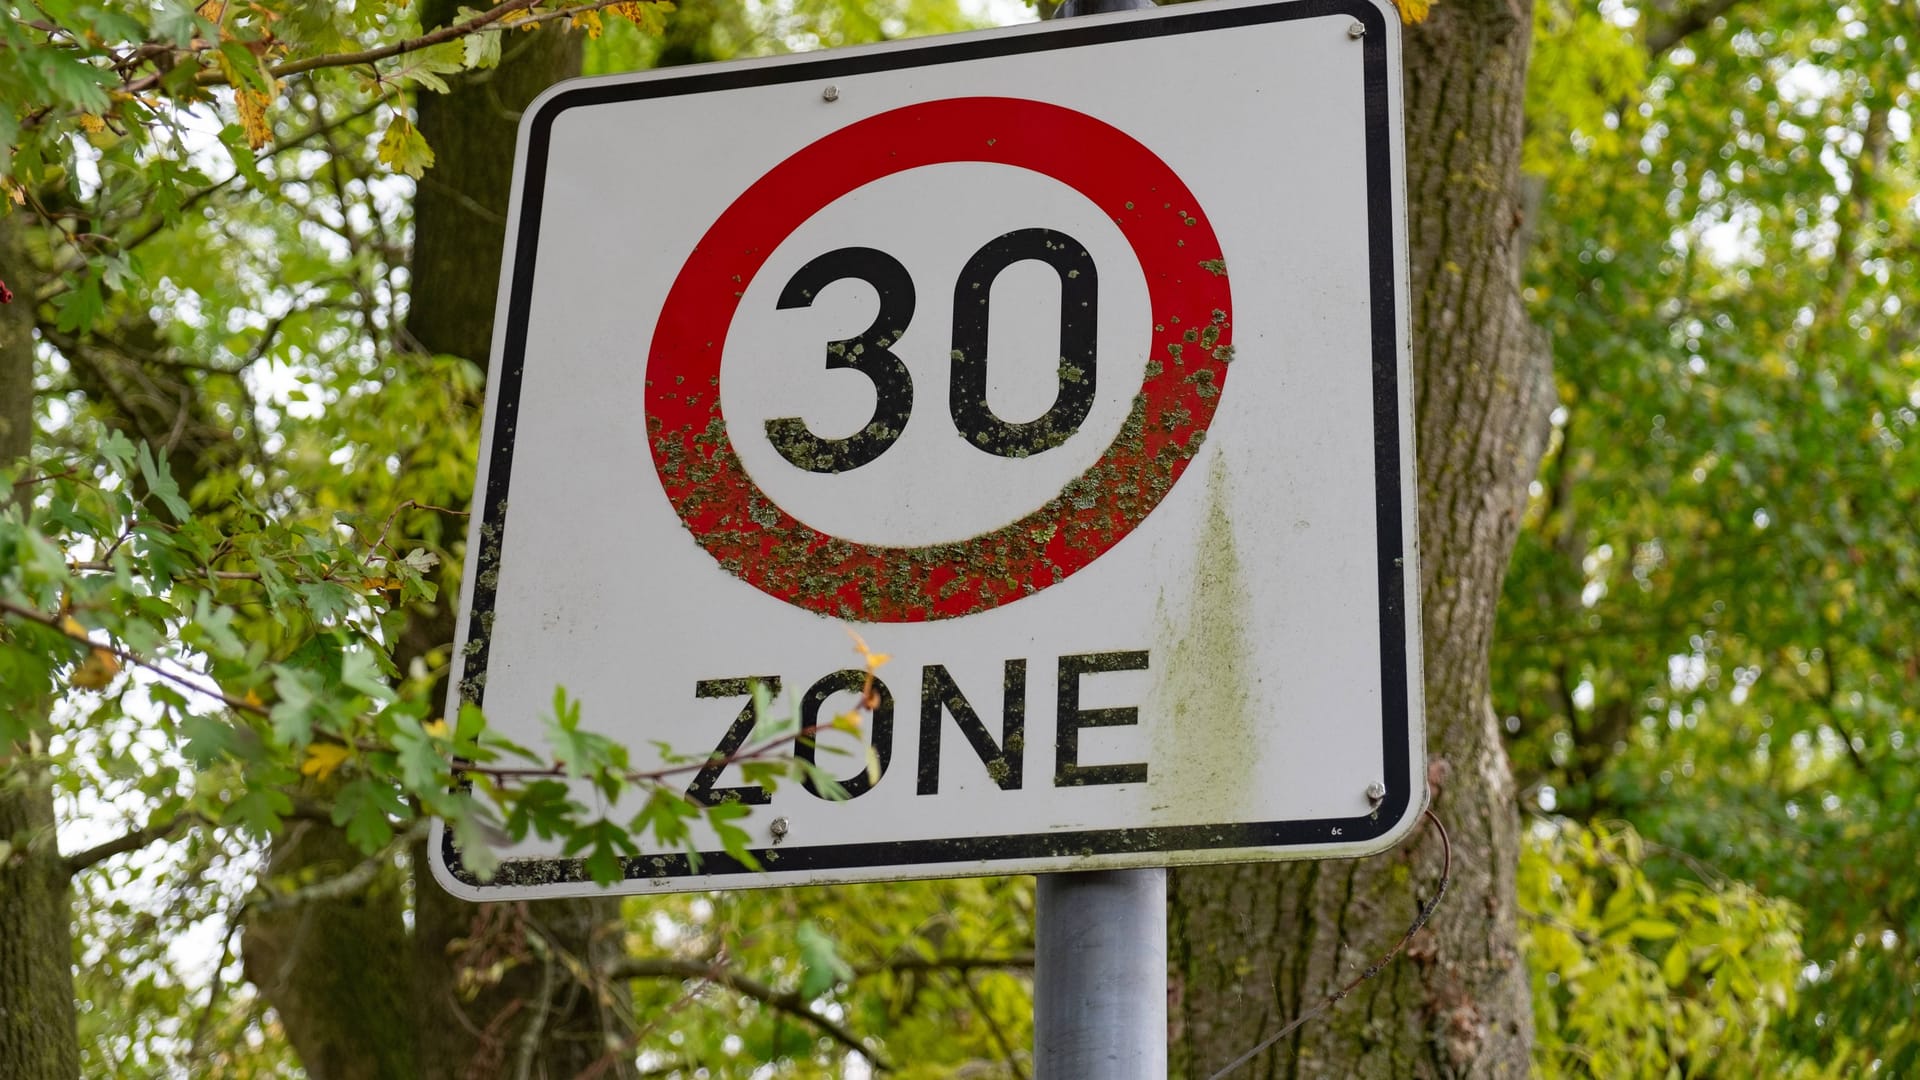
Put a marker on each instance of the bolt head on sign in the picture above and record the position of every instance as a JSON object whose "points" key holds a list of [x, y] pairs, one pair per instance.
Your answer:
{"points": [[1064, 365]]}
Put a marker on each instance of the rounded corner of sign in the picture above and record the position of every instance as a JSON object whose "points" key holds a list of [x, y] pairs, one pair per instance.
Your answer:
{"points": [[443, 859], [538, 117], [1378, 16], [1393, 830]]}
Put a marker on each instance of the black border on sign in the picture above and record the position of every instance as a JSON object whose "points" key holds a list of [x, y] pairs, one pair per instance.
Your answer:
{"points": [[522, 873]]}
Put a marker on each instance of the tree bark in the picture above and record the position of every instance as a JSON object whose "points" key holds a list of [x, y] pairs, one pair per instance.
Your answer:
{"points": [[539, 1005], [336, 970], [38, 1040], [1256, 945]]}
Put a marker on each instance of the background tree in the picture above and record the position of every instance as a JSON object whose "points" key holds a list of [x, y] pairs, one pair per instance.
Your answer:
{"points": [[1260, 944], [1709, 629]]}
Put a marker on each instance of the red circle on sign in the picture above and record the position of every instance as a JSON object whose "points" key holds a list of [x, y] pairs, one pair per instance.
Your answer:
{"points": [[754, 539]]}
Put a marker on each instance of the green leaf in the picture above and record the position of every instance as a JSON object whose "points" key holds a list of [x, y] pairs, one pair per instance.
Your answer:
{"points": [[365, 807], [72, 81], [425, 66], [542, 808], [160, 484], [259, 810], [207, 740], [470, 836], [174, 22], [403, 149], [422, 768], [480, 51], [1652, 929], [604, 842], [329, 601], [118, 450], [820, 962], [469, 722], [361, 672], [80, 307], [734, 839], [299, 693]]}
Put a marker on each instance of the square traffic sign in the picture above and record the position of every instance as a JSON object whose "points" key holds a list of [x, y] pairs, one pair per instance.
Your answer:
{"points": [[1066, 365]]}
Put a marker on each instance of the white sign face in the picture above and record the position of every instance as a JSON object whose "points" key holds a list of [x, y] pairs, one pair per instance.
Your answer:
{"points": [[1067, 365]]}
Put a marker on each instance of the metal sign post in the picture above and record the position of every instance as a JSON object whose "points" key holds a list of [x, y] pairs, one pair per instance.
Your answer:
{"points": [[1100, 975]]}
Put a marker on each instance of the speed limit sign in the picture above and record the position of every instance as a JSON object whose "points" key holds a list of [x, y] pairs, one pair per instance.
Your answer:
{"points": [[1064, 365]]}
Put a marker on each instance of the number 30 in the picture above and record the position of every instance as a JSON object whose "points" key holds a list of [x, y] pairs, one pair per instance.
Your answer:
{"points": [[871, 354]]}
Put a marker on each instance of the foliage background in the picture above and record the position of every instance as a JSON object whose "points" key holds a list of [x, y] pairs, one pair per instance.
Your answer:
{"points": [[1707, 654]]}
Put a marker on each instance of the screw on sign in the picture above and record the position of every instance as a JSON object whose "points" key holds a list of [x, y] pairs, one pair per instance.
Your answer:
{"points": [[755, 539]]}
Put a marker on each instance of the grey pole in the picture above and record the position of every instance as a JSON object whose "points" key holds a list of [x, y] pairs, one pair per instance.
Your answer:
{"points": [[1100, 949], [1100, 976]]}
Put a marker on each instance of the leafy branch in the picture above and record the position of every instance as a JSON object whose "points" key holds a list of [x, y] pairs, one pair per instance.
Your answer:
{"points": [[72, 631], [493, 20]]}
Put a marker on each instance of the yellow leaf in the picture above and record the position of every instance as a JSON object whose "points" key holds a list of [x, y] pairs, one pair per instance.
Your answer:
{"points": [[96, 671], [588, 21], [1413, 11], [100, 666], [436, 728], [92, 124], [404, 148], [874, 661], [253, 116], [322, 759], [651, 18]]}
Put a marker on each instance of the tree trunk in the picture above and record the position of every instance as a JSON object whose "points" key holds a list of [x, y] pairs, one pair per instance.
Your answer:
{"points": [[336, 970], [539, 1012], [38, 1040], [1256, 945]]}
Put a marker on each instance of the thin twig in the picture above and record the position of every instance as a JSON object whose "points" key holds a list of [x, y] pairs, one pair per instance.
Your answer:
{"points": [[45, 477], [965, 979], [105, 566], [485, 21], [554, 771], [130, 841], [347, 884], [62, 279], [529, 1048], [562, 769], [216, 986], [52, 623], [1419, 922], [1011, 962], [787, 1001]]}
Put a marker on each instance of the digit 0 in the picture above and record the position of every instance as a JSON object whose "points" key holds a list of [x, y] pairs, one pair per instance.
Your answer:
{"points": [[1079, 311]]}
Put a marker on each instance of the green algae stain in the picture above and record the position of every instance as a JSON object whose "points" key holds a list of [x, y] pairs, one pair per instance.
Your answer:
{"points": [[1205, 707]]}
